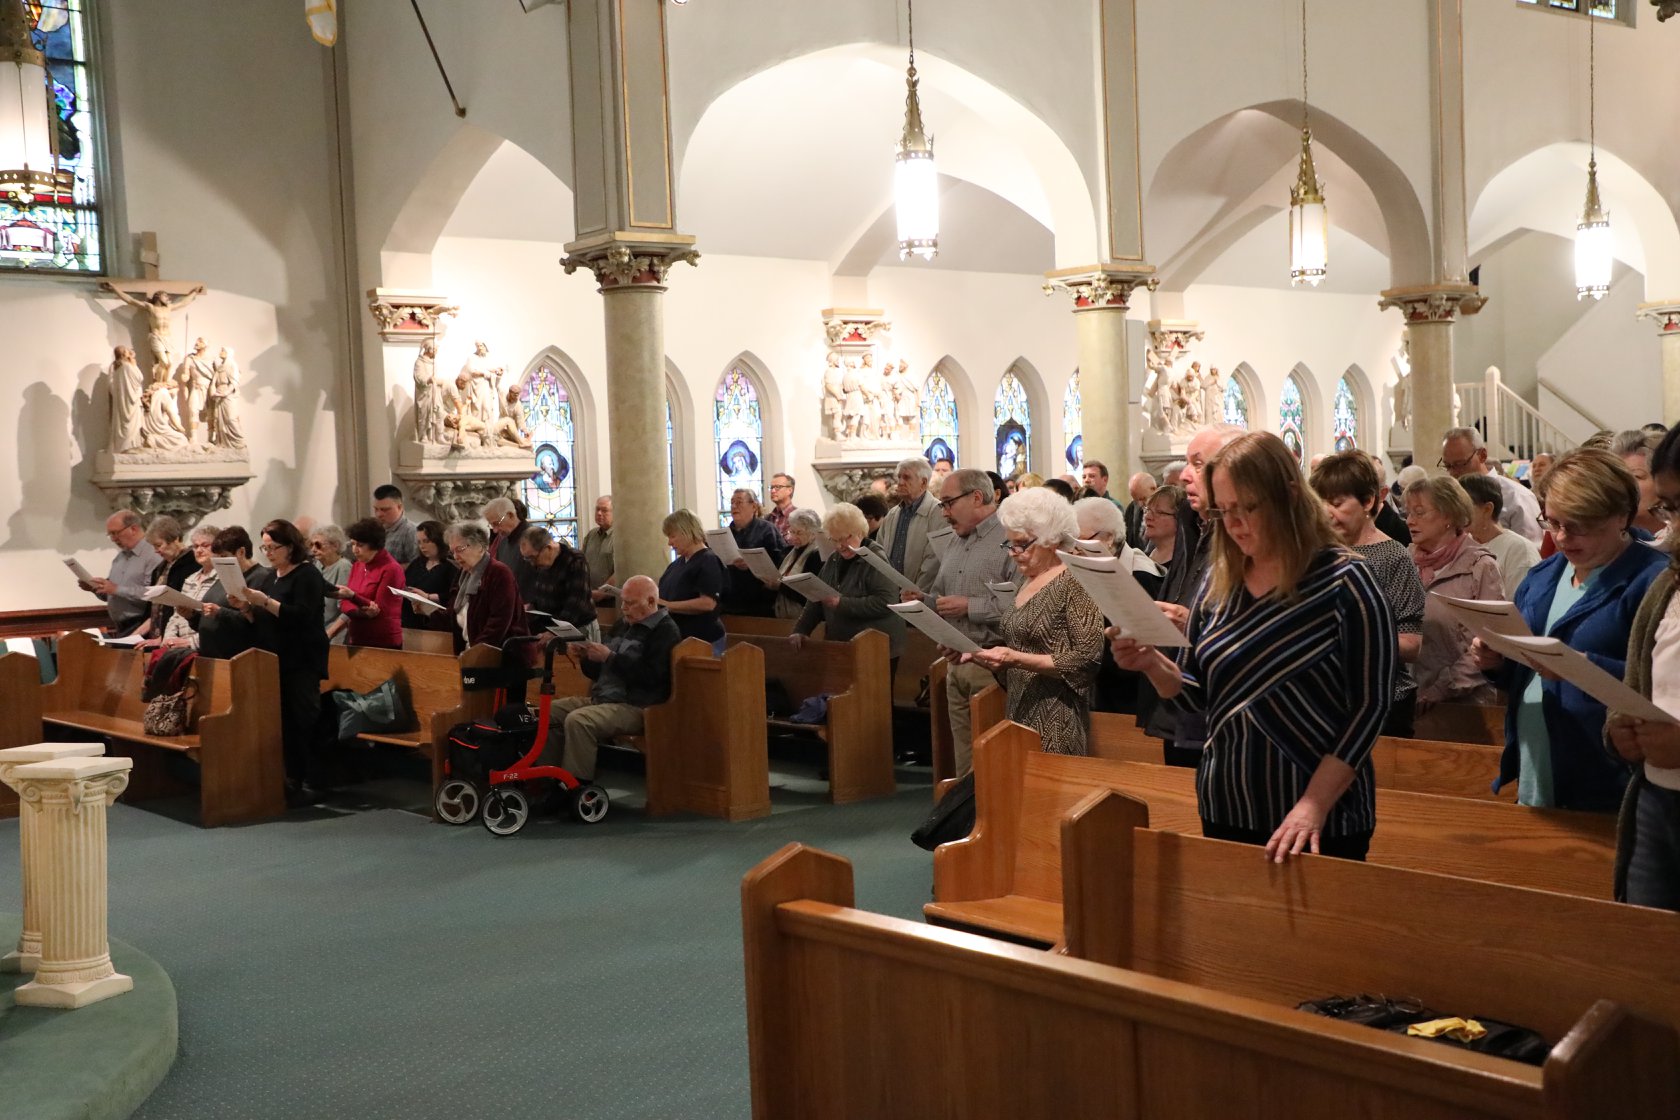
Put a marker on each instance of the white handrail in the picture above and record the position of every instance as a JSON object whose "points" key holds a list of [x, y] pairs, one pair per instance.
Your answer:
{"points": [[1511, 427]]}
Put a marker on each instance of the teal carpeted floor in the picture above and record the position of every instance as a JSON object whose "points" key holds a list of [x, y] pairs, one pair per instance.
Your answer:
{"points": [[367, 963]]}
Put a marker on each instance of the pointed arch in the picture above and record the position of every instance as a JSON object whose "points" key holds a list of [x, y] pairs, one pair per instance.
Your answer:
{"points": [[741, 417], [1296, 419], [1245, 401], [973, 434], [679, 422], [1353, 405], [559, 412], [1021, 412], [940, 422], [1073, 425]]}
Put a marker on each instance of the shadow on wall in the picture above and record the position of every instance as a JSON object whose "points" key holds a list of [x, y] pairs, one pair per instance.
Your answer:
{"points": [[55, 494]]}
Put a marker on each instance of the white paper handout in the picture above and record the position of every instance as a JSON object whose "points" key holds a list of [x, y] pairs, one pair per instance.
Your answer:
{"points": [[1555, 657], [563, 629], [1092, 547], [809, 586], [170, 597], [421, 603], [610, 591], [125, 643], [759, 563], [722, 542], [929, 622], [82, 574], [1122, 600], [1004, 593], [1487, 616], [1134, 561], [227, 570], [881, 564]]}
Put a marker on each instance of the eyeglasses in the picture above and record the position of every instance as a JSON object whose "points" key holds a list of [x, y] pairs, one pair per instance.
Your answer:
{"points": [[1015, 548], [1455, 465], [947, 503], [1240, 511], [270, 546], [1573, 528], [1666, 510], [781, 486]]}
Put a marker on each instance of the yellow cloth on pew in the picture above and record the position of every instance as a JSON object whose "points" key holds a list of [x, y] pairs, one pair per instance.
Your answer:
{"points": [[1464, 1030]]}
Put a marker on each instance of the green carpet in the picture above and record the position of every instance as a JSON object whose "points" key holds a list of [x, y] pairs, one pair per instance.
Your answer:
{"points": [[372, 964]]}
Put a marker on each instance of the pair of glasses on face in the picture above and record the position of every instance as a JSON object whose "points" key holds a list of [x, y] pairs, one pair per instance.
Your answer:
{"points": [[1015, 548], [1239, 511], [1572, 528], [1455, 465], [947, 503]]}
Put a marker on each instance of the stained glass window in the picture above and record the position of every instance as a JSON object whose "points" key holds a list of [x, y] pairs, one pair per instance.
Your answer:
{"points": [[551, 493], [60, 232], [939, 419], [1291, 418], [1012, 427], [1347, 417], [1236, 402], [670, 459], [1073, 425], [1605, 9], [738, 438]]}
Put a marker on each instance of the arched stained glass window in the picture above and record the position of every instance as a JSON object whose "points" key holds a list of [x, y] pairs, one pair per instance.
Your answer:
{"points": [[1073, 424], [551, 493], [1347, 417], [1292, 418], [670, 460], [738, 438], [939, 419], [59, 231], [1012, 427], [1236, 402]]}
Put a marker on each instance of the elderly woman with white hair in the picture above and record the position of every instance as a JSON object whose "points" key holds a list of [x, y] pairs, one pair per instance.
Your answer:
{"points": [[803, 556], [1102, 521], [864, 591], [1053, 639]]}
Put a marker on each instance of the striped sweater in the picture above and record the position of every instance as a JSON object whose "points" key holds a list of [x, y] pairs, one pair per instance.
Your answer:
{"points": [[1284, 683]]}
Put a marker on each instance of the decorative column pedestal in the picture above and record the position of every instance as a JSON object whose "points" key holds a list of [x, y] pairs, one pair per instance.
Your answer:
{"points": [[1101, 296], [68, 798], [27, 955], [1667, 317], [1430, 311]]}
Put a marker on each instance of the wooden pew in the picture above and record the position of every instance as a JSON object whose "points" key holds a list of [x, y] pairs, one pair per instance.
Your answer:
{"points": [[20, 713], [1463, 723], [706, 747], [859, 728], [986, 709], [429, 641], [430, 684], [854, 1014], [1005, 877], [236, 740]]}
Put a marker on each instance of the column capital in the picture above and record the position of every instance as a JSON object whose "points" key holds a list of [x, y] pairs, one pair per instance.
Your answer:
{"points": [[1665, 313], [630, 260], [1434, 303], [72, 781], [409, 316], [1173, 338], [1101, 286], [849, 328]]}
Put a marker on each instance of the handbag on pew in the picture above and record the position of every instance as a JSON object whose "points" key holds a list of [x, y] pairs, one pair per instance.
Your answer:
{"points": [[952, 818], [1487, 1036], [168, 690]]}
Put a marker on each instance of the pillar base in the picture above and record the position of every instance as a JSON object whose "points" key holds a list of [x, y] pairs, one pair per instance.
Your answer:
{"points": [[68, 997], [19, 961]]}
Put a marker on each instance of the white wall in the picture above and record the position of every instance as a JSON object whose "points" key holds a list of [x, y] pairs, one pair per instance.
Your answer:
{"points": [[1611, 370]]}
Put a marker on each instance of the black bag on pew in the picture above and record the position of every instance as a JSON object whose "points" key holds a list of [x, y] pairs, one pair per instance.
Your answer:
{"points": [[1501, 1040], [952, 818]]}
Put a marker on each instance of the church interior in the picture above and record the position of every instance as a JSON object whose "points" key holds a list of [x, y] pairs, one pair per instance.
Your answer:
{"points": [[687, 246]]}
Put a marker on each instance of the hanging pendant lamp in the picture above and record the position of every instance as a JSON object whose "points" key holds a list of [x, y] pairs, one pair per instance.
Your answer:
{"points": [[28, 157], [915, 178], [1593, 257], [1309, 218]]}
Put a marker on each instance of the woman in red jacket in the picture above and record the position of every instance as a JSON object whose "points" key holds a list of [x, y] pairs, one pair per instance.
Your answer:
{"points": [[367, 605], [487, 608]]}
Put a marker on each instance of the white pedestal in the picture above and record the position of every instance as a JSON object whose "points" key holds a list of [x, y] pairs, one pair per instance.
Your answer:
{"points": [[27, 956], [188, 485], [847, 468]]}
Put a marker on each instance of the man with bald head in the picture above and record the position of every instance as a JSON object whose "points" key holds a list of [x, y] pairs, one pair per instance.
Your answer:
{"points": [[631, 670], [131, 573], [1141, 486]]}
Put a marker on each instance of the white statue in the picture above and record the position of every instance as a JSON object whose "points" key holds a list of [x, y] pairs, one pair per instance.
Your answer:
{"points": [[221, 409], [464, 416], [852, 404], [429, 397], [158, 308], [908, 398], [192, 383], [1159, 393], [128, 389], [833, 403], [161, 429], [1403, 384], [1213, 396], [484, 380], [1188, 397], [876, 407], [511, 429]]}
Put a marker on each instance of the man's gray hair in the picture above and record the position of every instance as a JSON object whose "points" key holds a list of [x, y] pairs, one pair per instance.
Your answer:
{"points": [[917, 466], [496, 509], [126, 518], [1178, 465], [978, 481], [1469, 434], [538, 537], [475, 533], [1102, 513], [333, 535], [1042, 514], [807, 519]]}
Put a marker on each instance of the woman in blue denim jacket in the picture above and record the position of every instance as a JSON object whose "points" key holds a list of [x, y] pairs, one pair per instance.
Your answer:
{"points": [[1585, 595]]}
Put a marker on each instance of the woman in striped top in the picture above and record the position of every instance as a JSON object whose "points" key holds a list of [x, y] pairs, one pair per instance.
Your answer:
{"points": [[1292, 656]]}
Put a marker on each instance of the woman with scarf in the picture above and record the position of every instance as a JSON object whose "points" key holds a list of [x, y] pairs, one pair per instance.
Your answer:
{"points": [[1450, 562], [487, 609]]}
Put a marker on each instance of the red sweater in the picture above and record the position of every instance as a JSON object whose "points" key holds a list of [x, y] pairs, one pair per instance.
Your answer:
{"points": [[372, 582]]}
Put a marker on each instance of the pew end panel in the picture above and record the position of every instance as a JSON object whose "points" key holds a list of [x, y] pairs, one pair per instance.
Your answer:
{"points": [[986, 709], [941, 746], [241, 763], [860, 742], [982, 864], [707, 746], [20, 713], [427, 641], [1613, 1055], [1097, 904]]}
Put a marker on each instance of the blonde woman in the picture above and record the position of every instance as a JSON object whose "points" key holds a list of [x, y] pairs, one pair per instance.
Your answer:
{"points": [[1450, 562], [864, 590], [691, 587], [1292, 657]]}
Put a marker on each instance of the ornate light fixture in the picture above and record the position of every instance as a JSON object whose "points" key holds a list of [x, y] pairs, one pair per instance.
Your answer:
{"points": [[1592, 233], [915, 178], [28, 148], [1309, 219]]}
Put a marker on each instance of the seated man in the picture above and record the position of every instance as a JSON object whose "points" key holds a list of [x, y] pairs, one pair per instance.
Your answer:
{"points": [[631, 671]]}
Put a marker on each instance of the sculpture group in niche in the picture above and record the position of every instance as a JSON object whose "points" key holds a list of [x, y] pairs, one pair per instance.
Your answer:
{"points": [[1180, 405], [476, 412], [863, 401]]}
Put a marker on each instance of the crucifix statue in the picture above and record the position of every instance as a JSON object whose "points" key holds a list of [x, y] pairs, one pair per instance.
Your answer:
{"points": [[159, 299]]}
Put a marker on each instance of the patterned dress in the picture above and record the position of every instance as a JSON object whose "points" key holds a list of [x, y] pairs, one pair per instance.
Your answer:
{"points": [[1063, 621]]}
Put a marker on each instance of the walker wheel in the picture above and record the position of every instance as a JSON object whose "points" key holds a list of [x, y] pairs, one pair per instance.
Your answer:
{"points": [[457, 801], [506, 811], [590, 803]]}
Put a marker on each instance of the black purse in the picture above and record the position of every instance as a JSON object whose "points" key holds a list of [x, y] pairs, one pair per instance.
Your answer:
{"points": [[1502, 1040], [951, 819]]}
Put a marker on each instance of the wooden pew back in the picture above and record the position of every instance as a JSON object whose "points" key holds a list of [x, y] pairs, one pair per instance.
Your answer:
{"points": [[106, 680], [706, 746], [20, 713], [855, 1014], [1463, 723]]}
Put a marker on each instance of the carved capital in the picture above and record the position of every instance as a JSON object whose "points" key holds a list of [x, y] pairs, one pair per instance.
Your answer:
{"points": [[854, 328], [1666, 313], [627, 260], [1434, 303], [457, 499], [844, 483], [188, 504], [1174, 338], [404, 316], [1099, 287]]}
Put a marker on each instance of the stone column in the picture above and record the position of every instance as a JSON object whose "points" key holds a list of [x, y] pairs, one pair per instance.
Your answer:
{"points": [[1666, 314], [27, 955], [1101, 295], [68, 798], [1430, 311]]}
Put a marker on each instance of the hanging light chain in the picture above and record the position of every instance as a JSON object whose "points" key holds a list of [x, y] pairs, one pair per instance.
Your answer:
{"points": [[1304, 121]]}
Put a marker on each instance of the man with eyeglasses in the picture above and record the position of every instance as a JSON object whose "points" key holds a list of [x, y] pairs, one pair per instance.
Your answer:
{"points": [[124, 589], [1463, 454], [781, 505], [974, 558]]}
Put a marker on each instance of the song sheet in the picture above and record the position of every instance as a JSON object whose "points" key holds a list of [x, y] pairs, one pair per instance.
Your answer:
{"points": [[810, 586], [227, 570], [759, 563], [1556, 658], [929, 622], [1484, 616], [881, 564], [722, 542], [1122, 600]]}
